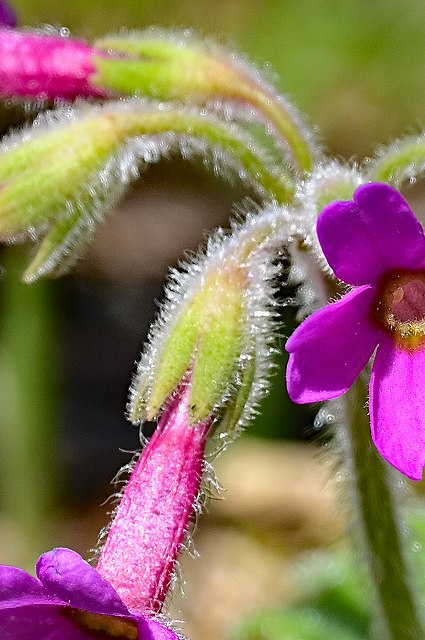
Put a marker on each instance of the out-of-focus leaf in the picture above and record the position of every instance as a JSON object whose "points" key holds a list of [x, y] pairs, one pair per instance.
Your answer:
{"points": [[335, 605], [298, 623]]}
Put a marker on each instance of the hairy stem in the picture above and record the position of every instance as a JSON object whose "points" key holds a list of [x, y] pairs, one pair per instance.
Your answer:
{"points": [[403, 160], [376, 509]]}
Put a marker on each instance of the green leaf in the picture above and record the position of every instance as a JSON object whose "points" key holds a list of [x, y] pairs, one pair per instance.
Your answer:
{"points": [[298, 623]]}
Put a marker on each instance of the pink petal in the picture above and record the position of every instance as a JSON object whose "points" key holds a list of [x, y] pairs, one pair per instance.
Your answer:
{"points": [[376, 233], [45, 67], [331, 347], [397, 407]]}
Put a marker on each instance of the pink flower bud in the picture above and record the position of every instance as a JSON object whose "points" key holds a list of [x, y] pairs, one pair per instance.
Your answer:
{"points": [[34, 65], [152, 518]]}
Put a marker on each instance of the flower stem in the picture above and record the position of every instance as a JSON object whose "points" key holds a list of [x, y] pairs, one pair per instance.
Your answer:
{"points": [[403, 160], [376, 507], [28, 391]]}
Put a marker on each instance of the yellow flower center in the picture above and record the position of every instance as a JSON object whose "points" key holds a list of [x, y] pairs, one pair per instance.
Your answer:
{"points": [[105, 626], [400, 308]]}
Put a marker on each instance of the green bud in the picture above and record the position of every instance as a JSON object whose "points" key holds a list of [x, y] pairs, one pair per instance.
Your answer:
{"points": [[53, 169], [207, 339], [61, 176], [165, 66], [215, 328]]}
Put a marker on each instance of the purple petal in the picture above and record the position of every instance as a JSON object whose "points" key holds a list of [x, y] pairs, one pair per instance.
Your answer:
{"points": [[154, 630], [42, 622], [397, 407], [376, 233], [331, 347], [67, 576], [7, 15], [17, 588]]}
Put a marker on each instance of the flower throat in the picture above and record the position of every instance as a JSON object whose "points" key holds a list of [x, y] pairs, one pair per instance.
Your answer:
{"points": [[400, 308]]}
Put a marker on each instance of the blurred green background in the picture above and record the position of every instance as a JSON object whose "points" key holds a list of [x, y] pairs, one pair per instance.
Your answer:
{"points": [[357, 69]]}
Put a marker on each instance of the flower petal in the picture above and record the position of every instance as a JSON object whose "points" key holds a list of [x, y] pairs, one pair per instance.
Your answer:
{"points": [[397, 407], [154, 630], [377, 232], [45, 622], [18, 588], [331, 347], [66, 575]]}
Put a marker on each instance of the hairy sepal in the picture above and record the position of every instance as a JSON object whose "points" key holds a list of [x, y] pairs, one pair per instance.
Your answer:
{"points": [[60, 177], [218, 323], [168, 65], [401, 161]]}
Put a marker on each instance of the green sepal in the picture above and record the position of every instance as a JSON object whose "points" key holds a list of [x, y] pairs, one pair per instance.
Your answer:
{"points": [[177, 353], [233, 410], [206, 340], [218, 352], [155, 68], [42, 174], [60, 247]]}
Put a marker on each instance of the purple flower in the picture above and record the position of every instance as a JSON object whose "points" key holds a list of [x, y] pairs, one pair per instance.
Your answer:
{"points": [[7, 15], [68, 600], [376, 244]]}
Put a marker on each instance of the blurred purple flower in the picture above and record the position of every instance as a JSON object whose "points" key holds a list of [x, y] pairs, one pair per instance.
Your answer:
{"points": [[68, 600], [7, 15], [376, 244]]}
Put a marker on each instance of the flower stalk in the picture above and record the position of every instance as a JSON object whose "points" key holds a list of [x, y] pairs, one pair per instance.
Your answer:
{"points": [[375, 507], [28, 470]]}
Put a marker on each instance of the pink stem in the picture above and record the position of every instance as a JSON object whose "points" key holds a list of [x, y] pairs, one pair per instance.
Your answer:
{"points": [[42, 67], [151, 521]]}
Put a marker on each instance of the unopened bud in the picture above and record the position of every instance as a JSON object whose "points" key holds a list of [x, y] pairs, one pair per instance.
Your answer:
{"points": [[216, 326], [174, 66], [59, 177], [45, 67]]}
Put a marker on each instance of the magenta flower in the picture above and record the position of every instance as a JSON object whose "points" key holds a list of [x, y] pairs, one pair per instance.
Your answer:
{"points": [[376, 244], [122, 597], [68, 600], [7, 15], [33, 65]]}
